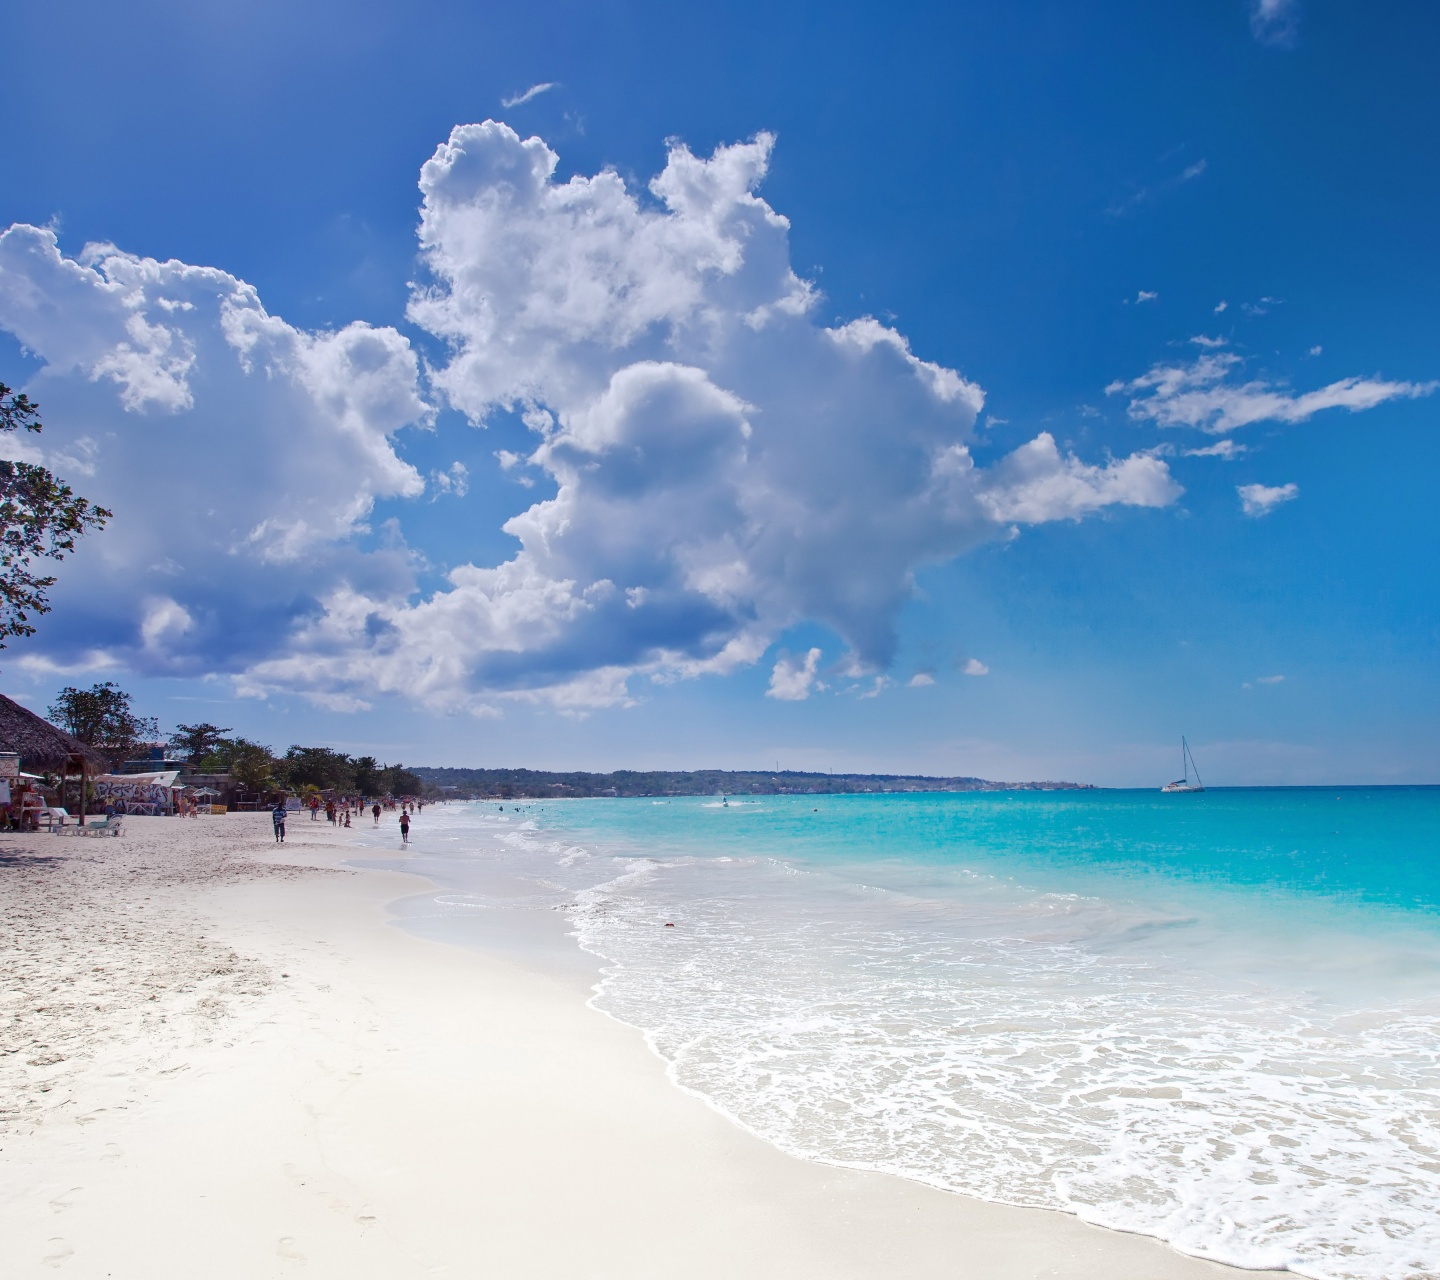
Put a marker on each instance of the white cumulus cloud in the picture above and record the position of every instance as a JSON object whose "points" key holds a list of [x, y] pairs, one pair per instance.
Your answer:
{"points": [[1035, 484], [721, 463], [1207, 395], [726, 465], [240, 455], [974, 667], [793, 677], [1258, 500], [164, 618]]}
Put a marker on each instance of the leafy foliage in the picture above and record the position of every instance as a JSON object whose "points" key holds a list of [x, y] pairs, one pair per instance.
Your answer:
{"points": [[103, 717], [39, 516], [397, 780], [253, 766], [198, 740], [368, 781], [318, 767], [224, 753]]}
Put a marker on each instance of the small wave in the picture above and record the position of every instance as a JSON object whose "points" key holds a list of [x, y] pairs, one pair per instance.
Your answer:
{"points": [[493, 902], [1034, 1070]]}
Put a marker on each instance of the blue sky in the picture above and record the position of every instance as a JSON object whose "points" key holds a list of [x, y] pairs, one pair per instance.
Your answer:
{"points": [[934, 409]]}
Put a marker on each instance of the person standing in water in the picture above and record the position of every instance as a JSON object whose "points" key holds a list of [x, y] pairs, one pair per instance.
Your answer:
{"points": [[375, 810], [404, 827]]}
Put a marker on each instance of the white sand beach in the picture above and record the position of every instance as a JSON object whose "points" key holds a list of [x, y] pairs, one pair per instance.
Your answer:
{"points": [[219, 1059]]}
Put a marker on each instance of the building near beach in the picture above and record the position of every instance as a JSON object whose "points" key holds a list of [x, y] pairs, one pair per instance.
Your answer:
{"points": [[153, 794]]}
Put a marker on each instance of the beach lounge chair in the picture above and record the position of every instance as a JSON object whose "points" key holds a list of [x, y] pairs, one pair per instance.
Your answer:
{"points": [[109, 826], [52, 819]]}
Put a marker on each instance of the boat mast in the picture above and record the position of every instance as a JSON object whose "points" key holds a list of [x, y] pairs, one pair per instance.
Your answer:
{"points": [[1185, 751]]}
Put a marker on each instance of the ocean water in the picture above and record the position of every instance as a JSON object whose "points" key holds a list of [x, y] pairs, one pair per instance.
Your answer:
{"points": [[1214, 1018]]}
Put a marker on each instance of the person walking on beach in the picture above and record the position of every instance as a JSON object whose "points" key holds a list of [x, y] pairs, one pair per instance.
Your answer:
{"points": [[404, 827], [277, 816], [375, 810]]}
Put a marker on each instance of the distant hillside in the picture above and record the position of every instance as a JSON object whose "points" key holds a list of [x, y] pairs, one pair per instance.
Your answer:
{"points": [[538, 784]]}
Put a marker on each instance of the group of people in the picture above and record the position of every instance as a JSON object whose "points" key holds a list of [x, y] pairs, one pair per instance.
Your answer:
{"points": [[337, 812], [333, 809]]}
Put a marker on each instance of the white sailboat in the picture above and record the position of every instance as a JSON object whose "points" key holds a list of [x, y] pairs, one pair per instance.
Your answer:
{"points": [[1187, 762]]}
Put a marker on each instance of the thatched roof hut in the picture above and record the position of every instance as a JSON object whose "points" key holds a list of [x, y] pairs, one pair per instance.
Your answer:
{"points": [[41, 746]]}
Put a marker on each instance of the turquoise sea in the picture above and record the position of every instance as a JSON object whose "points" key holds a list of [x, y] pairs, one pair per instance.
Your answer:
{"points": [[1210, 1018]]}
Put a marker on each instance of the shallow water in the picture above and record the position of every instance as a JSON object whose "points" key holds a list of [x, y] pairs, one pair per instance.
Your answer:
{"points": [[1210, 1018]]}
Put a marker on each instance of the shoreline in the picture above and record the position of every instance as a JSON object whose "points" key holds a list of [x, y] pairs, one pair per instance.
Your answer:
{"points": [[312, 1090]]}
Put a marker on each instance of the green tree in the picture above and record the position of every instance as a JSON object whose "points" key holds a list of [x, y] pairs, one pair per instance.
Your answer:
{"points": [[252, 765], [225, 752], [367, 776], [39, 516], [318, 767], [397, 780], [103, 717], [197, 740]]}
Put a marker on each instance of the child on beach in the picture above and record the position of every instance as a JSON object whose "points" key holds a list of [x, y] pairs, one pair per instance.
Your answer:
{"points": [[404, 827]]}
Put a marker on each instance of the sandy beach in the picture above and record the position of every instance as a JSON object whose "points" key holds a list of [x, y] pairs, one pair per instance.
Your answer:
{"points": [[218, 1058]]}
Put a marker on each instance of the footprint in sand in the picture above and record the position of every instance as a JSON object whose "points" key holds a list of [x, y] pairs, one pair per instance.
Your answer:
{"points": [[113, 1151], [65, 1200], [60, 1252], [289, 1250]]}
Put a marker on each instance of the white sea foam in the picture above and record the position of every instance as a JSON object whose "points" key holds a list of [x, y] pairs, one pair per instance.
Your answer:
{"points": [[993, 1051]]}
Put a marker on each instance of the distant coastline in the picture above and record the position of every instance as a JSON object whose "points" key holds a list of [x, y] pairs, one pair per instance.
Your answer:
{"points": [[540, 784]]}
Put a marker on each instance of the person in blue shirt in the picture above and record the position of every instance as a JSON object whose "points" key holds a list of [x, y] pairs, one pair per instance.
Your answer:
{"points": [[277, 816]]}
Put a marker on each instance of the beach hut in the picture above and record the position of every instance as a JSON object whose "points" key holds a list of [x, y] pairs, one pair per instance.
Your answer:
{"points": [[43, 748], [155, 794]]}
